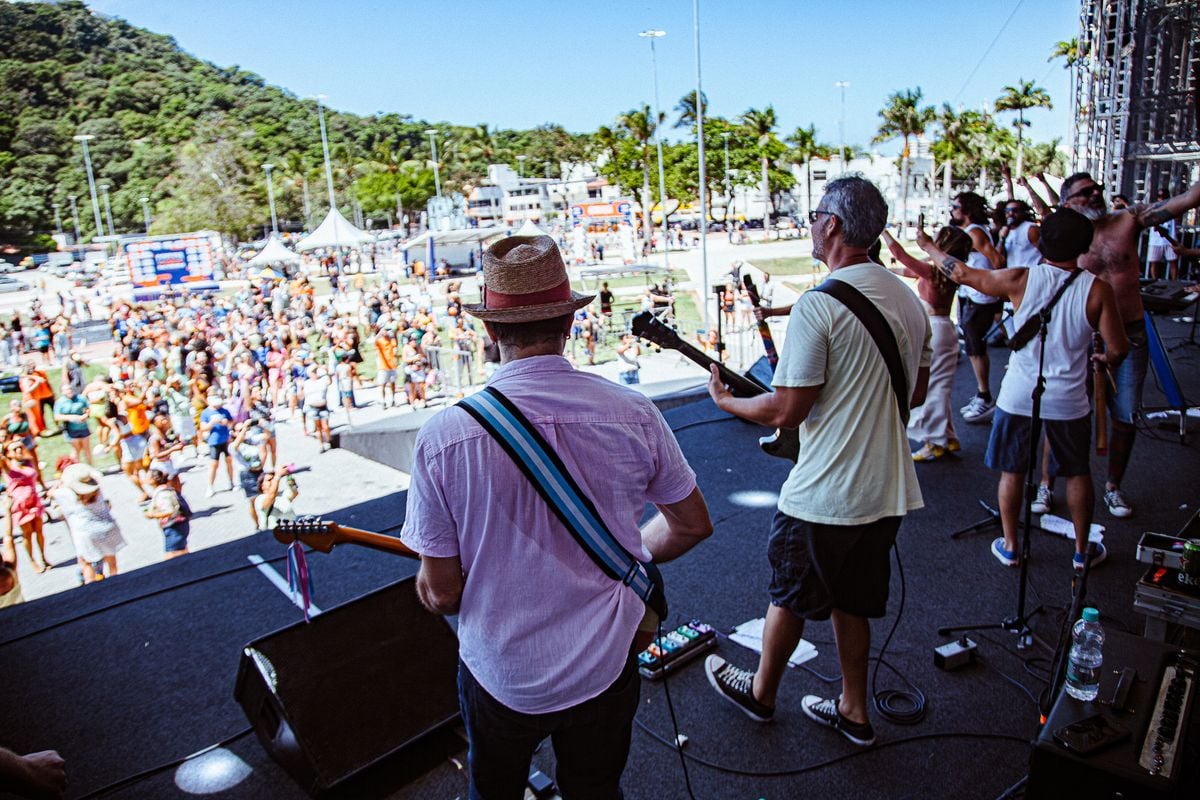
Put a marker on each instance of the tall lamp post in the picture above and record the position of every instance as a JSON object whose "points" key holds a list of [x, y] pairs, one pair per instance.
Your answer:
{"points": [[325, 150], [83, 139], [57, 218], [145, 201], [271, 198], [653, 34], [437, 178], [842, 124], [521, 166], [75, 219], [700, 153], [112, 230]]}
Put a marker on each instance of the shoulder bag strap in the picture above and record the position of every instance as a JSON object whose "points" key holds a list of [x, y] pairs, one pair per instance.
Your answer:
{"points": [[549, 476], [885, 339], [1031, 326]]}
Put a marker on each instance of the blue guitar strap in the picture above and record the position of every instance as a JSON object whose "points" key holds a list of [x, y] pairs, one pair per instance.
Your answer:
{"points": [[549, 476]]}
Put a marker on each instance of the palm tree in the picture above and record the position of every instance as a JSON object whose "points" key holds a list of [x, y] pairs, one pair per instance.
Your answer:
{"points": [[903, 116], [761, 125], [639, 125], [804, 149], [1069, 51], [1018, 98], [687, 109]]}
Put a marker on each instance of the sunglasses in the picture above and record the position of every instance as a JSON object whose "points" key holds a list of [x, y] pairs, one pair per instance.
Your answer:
{"points": [[812, 215], [1095, 188]]}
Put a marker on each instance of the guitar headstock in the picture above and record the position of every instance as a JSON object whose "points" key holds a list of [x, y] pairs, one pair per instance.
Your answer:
{"points": [[315, 532], [652, 329], [751, 289]]}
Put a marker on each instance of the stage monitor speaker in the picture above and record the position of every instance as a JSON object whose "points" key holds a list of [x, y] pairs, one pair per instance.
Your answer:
{"points": [[358, 683]]}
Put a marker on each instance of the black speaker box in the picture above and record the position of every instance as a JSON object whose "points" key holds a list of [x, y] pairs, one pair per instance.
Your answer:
{"points": [[360, 682]]}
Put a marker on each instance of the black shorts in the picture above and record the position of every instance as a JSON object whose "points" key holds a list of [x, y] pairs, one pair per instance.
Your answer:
{"points": [[818, 568], [215, 451], [976, 319]]}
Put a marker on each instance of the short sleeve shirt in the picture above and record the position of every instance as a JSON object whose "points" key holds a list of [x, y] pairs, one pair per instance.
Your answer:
{"points": [[855, 466]]}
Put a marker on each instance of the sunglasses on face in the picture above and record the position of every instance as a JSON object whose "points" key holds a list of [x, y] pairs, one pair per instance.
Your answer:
{"points": [[812, 215], [1088, 191]]}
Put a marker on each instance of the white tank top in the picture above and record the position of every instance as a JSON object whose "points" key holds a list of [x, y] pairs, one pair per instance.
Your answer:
{"points": [[977, 260], [1018, 248], [1068, 336]]}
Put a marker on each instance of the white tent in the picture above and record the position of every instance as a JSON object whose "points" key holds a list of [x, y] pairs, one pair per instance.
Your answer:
{"points": [[265, 274], [274, 253], [335, 231], [529, 229]]}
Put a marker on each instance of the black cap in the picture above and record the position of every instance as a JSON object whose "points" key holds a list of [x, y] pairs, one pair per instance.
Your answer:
{"points": [[1065, 235]]}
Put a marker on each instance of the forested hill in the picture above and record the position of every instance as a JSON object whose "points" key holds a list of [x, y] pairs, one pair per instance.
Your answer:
{"points": [[190, 135]]}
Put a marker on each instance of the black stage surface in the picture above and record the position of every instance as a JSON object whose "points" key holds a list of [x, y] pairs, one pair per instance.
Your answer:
{"points": [[138, 671]]}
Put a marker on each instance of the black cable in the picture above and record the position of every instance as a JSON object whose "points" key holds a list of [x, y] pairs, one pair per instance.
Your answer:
{"points": [[687, 780], [897, 705], [783, 773], [146, 773], [699, 422], [1010, 679]]}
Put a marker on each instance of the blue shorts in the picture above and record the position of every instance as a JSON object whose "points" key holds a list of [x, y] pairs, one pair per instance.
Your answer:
{"points": [[1070, 442], [818, 568], [175, 537], [630, 378], [1130, 375]]}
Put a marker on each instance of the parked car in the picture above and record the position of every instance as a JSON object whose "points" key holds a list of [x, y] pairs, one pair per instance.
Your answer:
{"points": [[8, 284]]}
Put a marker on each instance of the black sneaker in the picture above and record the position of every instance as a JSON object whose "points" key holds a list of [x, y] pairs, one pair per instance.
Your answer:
{"points": [[734, 685], [826, 712]]}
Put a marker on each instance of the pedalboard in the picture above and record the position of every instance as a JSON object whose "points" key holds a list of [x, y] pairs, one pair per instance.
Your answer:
{"points": [[672, 650], [955, 654]]}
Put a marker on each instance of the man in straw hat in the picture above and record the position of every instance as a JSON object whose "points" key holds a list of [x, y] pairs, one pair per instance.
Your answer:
{"points": [[545, 637]]}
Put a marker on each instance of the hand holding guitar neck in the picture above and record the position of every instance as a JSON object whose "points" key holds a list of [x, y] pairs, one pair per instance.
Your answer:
{"points": [[764, 330]]}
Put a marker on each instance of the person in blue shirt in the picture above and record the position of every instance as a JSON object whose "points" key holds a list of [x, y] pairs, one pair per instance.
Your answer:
{"points": [[215, 424], [71, 412]]}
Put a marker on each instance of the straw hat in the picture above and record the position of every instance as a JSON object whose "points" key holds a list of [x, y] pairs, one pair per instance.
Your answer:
{"points": [[81, 479], [524, 280]]}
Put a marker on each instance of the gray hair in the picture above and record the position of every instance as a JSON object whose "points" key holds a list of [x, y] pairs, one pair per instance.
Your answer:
{"points": [[861, 208]]}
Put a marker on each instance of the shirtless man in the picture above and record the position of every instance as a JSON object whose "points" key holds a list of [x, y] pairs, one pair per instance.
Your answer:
{"points": [[1113, 257]]}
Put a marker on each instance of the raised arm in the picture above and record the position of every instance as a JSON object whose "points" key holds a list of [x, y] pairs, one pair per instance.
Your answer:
{"points": [[1008, 184], [1007, 283], [916, 266], [1051, 195], [1157, 213], [1035, 199]]}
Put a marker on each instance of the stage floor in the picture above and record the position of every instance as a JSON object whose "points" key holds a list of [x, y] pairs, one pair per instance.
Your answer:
{"points": [[135, 672]]}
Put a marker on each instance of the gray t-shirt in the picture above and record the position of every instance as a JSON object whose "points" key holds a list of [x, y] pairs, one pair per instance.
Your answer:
{"points": [[855, 466]]}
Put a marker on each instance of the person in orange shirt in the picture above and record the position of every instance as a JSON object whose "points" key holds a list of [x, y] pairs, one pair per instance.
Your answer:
{"points": [[135, 410], [385, 350], [36, 394]]}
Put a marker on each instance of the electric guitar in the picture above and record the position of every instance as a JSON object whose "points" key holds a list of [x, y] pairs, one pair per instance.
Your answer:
{"points": [[764, 330], [323, 536], [785, 443]]}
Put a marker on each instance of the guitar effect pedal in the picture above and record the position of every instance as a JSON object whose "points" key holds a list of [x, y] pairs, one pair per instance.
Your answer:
{"points": [[675, 648]]}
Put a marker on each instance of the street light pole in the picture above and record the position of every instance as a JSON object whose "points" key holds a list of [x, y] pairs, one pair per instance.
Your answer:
{"points": [[271, 198], [653, 34], [145, 201], [437, 179], [842, 124], [325, 150], [728, 196], [521, 167], [112, 230], [700, 145], [84, 138], [57, 218]]}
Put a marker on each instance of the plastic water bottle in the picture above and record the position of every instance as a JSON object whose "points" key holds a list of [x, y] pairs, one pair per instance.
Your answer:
{"points": [[1083, 671]]}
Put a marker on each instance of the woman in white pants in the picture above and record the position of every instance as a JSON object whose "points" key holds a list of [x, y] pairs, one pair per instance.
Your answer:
{"points": [[933, 423]]}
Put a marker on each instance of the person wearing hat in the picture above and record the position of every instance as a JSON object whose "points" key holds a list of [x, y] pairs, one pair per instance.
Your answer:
{"points": [[545, 637], [88, 516], [1087, 304]]}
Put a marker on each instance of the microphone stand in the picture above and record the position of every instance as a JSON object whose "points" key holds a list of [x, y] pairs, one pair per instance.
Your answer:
{"points": [[1019, 622]]}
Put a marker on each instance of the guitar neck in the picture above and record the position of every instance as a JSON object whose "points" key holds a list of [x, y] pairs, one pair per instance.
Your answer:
{"points": [[375, 541], [738, 384]]}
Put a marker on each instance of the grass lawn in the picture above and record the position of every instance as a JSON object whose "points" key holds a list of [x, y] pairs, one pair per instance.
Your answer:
{"points": [[639, 281], [795, 265]]}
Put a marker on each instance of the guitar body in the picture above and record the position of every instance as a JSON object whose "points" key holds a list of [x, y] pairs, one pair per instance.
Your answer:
{"points": [[786, 441]]}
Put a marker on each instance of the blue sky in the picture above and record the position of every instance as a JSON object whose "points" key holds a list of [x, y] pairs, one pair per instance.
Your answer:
{"points": [[519, 64]]}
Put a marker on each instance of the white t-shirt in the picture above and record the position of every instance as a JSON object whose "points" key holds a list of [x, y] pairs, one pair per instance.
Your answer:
{"points": [[855, 465], [977, 260]]}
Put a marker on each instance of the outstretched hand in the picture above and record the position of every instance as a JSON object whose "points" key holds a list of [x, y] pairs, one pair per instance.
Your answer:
{"points": [[716, 387], [923, 239]]}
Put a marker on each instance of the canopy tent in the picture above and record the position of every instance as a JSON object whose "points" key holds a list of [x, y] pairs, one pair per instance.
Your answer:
{"points": [[459, 248], [335, 231], [264, 274], [274, 253], [442, 238], [529, 229]]}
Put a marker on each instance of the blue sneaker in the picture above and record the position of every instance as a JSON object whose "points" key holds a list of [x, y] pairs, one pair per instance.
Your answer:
{"points": [[1079, 558], [1008, 558]]}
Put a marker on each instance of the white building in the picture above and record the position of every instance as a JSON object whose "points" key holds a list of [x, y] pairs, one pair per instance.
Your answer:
{"points": [[924, 195], [506, 198]]}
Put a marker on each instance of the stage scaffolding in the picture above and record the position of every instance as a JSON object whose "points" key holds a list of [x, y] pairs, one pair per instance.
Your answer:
{"points": [[1137, 92]]}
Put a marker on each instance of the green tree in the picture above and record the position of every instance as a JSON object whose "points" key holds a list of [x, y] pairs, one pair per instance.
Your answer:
{"points": [[761, 126], [687, 110], [638, 126], [905, 117], [805, 148], [1069, 51], [1024, 95]]}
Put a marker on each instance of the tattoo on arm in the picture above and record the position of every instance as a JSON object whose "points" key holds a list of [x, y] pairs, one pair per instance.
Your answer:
{"points": [[1156, 214], [948, 265]]}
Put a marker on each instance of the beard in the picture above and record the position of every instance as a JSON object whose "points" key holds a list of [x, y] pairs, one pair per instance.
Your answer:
{"points": [[1093, 213]]}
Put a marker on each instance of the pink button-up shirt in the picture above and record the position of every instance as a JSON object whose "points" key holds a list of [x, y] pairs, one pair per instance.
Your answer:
{"points": [[540, 626]]}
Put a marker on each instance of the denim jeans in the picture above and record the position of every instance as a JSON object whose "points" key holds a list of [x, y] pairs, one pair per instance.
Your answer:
{"points": [[591, 740]]}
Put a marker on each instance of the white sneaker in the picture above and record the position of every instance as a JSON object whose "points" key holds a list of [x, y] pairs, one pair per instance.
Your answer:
{"points": [[978, 410], [1117, 505], [209, 492], [1044, 502]]}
